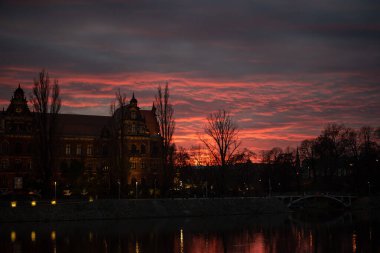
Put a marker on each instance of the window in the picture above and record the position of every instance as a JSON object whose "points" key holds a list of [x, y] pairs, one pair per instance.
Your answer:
{"points": [[18, 182], [133, 149], [3, 182], [68, 149], [133, 129], [4, 164], [5, 148], [29, 148], [154, 149], [18, 148], [142, 165], [143, 150], [133, 115], [18, 164], [133, 165], [89, 149], [79, 149], [104, 150]]}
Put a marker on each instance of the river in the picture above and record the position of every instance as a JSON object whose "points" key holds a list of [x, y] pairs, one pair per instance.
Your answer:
{"points": [[232, 234]]}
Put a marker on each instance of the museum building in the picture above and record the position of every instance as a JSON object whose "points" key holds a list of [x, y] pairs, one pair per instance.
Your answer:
{"points": [[88, 140]]}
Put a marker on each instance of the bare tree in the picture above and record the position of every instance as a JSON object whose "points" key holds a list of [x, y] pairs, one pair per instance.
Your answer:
{"points": [[182, 158], [308, 156], [165, 118], [198, 156], [244, 156], [119, 113], [46, 102], [221, 137], [221, 140]]}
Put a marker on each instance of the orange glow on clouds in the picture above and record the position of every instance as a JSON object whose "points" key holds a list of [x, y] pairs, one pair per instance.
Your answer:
{"points": [[269, 112]]}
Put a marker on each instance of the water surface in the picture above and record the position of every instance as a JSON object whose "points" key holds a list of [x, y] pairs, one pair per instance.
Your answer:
{"points": [[235, 234]]}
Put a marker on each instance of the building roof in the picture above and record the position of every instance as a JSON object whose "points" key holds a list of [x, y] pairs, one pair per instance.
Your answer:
{"points": [[151, 121], [92, 125], [82, 125]]}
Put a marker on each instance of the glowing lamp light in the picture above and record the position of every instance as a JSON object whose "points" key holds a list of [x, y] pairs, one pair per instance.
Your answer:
{"points": [[14, 204], [13, 236], [53, 202], [33, 203], [90, 199], [53, 235], [33, 236]]}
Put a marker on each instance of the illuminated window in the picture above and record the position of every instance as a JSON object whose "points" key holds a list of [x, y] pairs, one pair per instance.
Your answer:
{"points": [[133, 165], [68, 151], [133, 129], [79, 149], [89, 149]]}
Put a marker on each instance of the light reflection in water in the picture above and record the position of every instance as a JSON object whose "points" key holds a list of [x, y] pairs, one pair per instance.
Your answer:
{"points": [[354, 242], [310, 241], [13, 236], [53, 235], [137, 247], [181, 241], [232, 235], [90, 236], [33, 236]]}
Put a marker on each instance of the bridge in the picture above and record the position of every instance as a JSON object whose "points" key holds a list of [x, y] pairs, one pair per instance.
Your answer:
{"points": [[291, 200]]}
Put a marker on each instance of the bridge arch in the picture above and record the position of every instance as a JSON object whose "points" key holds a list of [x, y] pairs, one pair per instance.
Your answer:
{"points": [[345, 201]]}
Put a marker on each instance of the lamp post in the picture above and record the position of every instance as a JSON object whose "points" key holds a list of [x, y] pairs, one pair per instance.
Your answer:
{"points": [[136, 189], [206, 190], [270, 188], [155, 186], [55, 190], [369, 188], [118, 182]]}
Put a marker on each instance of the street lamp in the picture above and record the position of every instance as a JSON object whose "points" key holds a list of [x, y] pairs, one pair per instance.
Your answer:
{"points": [[369, 188], [55, 190], [155, 186], [118, 182], [136, 189], [270, 188], [206, 190]]}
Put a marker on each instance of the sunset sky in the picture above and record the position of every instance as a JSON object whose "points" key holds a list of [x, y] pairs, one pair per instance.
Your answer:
{"points": [[283, 69]]}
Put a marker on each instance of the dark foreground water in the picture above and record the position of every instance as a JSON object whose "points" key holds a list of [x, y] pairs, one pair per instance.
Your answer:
{"points": [[274, 233]]}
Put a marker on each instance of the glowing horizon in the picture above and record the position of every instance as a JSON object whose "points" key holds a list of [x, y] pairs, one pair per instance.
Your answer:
{"points": [[283, 75]]}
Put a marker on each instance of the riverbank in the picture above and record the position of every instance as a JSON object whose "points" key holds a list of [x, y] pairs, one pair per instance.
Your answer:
{"points": [[115, 209], [140, 208]]}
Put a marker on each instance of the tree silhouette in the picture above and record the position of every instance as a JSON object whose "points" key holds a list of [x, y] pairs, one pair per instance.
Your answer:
{"points": [[165, 118], [46, 102], [118, 111], [221, 140]]}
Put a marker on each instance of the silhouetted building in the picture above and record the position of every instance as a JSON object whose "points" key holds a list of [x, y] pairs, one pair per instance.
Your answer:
{"points": [[92, 142]]}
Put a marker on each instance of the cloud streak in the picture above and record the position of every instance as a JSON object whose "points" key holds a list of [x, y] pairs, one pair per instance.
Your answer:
{"points": [[283, 69]]}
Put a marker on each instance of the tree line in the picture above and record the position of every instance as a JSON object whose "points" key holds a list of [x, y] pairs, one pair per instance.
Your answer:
{"points": [[339, 159]]}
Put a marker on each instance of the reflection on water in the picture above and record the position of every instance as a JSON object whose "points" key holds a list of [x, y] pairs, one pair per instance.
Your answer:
{"points": [[237, 234]]}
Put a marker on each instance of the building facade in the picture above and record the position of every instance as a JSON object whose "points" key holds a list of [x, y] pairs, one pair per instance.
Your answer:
{"points": [[95, 144]]}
